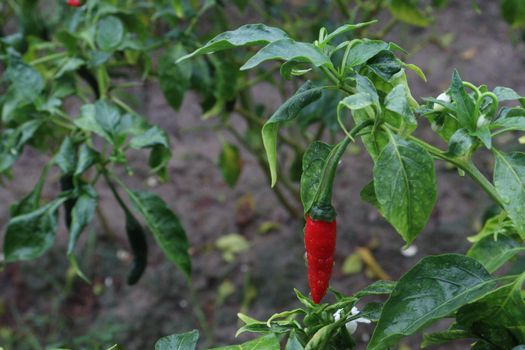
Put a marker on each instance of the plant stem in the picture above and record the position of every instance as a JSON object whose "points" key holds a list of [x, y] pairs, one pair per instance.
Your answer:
{"points": [[48, 58]]}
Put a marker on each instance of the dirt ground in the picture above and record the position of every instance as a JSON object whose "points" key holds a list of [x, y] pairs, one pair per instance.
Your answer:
{"points": [[40, 304]]}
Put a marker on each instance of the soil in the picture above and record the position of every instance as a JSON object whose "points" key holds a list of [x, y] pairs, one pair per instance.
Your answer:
{"points": [[41, 304]]}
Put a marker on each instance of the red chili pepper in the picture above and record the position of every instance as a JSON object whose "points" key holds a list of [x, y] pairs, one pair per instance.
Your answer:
{"points": [[319, 240], [74, 3]]}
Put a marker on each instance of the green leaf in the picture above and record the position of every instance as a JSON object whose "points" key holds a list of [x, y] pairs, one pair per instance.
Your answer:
{"points": [[181, 341], [464, 104], [289, 110], [66, 158], [502, 308], [165, 226], [314, 161], [149, 138], [31, 201], [505, 93], [288, 50], [230, 163], [110, 33], [397, 102], [494, 251], [363, 50], [247, 35], [346, 28], [293, 342], [513, 11], [368, 194], [509, 180], [385, 64], [444, 337], [108, 117], [82, 214], [30, 235], [267, 342], [377, 288], [25, 79], [461, 144], [12, 142], [407, 11], [405, 186], [87, 156], [174, 78], [69, 65], [434, 288], [508, 124], [321, 338]]}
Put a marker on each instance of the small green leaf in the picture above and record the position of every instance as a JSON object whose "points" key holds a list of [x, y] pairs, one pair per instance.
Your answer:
{"points": [[12, 142], [31, 201], [230, 164], [247, 35], [385, 64], [289, 110], [110, 33], [377, 288], [502, 308], [321, 338], [405, 186], [407, 11], [288, 50], [464, 104], [444, 284], [293, 342], [25, 79], [232, 244], [509, 179], [181, 341], [174, 78], [508, 124], [363, 50], [87, 156], [82, 214], [165, 226], [266, 342], [69, 65], [66, 158], [352, 264], [513, 11], [346, 28], [505, 93], [30, 235], [314, 161], [494, 251], [444, 337], [397, 102], [461, 144]]}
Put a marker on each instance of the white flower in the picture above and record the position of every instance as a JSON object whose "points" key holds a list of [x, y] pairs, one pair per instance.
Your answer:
{"points": [[351, 326], [482, 121], [443, 97]]}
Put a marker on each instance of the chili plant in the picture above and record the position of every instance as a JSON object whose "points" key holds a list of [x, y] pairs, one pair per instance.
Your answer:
{"points": [[378, 108]]}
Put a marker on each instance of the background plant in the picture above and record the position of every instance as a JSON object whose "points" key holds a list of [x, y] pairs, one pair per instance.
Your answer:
{"points": [[49, 68]]}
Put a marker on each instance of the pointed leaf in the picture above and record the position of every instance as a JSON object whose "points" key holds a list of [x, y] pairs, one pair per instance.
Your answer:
{"points": [[30, 235], [494, 251], [405, 185], [165, 226], [181, 341], [288, 50], [509, 179], [247, 35], [289, 110], [431, 290]]}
